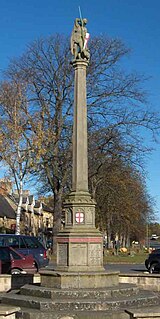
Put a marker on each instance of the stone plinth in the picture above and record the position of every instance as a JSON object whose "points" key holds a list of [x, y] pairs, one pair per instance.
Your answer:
{"points": [[82, 203], [79, 251], [80, 280], [79, 244]]}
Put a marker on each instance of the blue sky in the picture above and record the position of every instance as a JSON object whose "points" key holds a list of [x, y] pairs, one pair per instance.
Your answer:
{"points": [[136, 22]]}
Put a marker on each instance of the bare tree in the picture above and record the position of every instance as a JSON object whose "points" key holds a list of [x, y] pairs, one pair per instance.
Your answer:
{"points": [[14, 149], [116, 106], [123, 205]]}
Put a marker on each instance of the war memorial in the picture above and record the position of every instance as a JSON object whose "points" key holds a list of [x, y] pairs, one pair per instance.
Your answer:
{"points": [[79, 287]]}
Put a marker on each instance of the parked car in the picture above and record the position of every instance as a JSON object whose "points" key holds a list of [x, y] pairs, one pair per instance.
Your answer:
{"points": [[48, 243], [152, 263], [27, 245], [13, 262]]}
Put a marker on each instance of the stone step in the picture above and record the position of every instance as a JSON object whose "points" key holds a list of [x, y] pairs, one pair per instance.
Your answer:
{"points": [[34, 313], [86, 304], [53, 293], [147, 313], [27, 301]]}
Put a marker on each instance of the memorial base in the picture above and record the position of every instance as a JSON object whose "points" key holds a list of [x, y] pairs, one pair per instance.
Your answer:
{"points": [[79, 244], [83, 280], [79, 250]]}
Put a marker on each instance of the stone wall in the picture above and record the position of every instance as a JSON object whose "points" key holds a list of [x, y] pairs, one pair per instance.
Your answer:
{"points": [[5, 283], [143, 281], [8, 312], [8, 282]]}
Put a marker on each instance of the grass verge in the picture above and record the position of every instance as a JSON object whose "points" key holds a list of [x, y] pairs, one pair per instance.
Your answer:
{"points": [[137, 258]]}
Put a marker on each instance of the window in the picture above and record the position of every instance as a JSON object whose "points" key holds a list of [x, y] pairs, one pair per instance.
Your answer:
{"points": [[22, 243], [1, 241], [4, 255], [12, 241], [30, 243]]}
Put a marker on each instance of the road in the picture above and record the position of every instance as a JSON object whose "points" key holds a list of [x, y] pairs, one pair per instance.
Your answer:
{"points": [[123, 268], [126, 268]]}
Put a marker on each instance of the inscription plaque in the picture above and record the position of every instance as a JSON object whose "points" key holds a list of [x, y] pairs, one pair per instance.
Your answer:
{"points": [[79, 254], [62, 254], [95, 254]]}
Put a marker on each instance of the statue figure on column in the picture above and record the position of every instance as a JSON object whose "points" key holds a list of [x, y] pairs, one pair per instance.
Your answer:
{"points": [[79, 39]]}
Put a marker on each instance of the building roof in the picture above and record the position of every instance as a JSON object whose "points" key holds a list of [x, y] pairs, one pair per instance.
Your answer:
{"points": [[8, 205], [15, 197], [6, 210], [46, 208]]}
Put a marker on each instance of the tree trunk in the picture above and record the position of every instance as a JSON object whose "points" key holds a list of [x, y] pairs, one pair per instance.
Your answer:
{"points": [[18, 215], [109, 235]]}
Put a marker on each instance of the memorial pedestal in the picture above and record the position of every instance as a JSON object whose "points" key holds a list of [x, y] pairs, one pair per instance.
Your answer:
{"points": [[79, 280], [79, 251], [79, 244]]}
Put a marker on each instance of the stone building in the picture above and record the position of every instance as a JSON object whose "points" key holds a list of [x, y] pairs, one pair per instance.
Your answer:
{"points": [[7, 207], [36, 217]]}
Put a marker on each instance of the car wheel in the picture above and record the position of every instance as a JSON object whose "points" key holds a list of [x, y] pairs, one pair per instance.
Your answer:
{"points": [[152, 268], [15, 271]]}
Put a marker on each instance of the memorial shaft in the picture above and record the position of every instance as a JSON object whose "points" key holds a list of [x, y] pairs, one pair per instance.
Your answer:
{"points": [[80, 157]]}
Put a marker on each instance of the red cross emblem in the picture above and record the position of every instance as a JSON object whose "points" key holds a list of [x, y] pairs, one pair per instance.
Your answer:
{"points": [[79, 218]]}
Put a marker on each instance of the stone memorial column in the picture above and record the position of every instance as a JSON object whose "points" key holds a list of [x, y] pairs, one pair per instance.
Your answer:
{"points": [[80, 245]]}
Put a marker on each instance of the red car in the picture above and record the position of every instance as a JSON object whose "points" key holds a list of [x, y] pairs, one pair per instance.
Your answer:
{"points": [[13, 262]]}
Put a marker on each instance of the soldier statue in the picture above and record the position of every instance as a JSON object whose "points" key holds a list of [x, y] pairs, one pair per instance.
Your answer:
{"points": [[79, 39]]}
